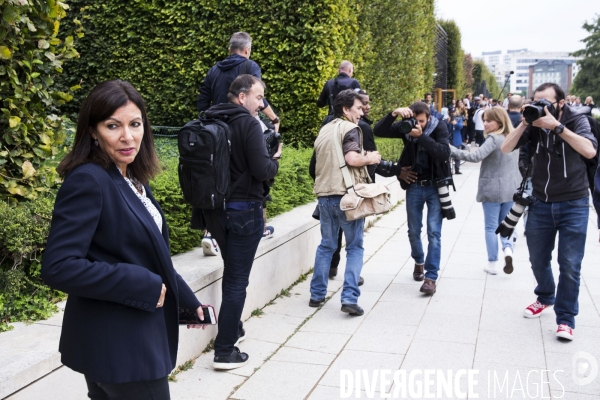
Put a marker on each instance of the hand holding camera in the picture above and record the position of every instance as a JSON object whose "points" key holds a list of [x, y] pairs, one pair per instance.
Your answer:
{"points": [[404, 112], [374, 157], [547, 121]]}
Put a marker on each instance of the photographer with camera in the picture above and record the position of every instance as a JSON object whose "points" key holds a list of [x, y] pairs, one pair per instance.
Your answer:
{"points": [[455, 125], [561, 138], [424, 172], [498, 178]]}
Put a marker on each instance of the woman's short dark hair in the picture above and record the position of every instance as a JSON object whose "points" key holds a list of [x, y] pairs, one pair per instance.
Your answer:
{"points": [[100, 105], [345, 98], [420, 108]]}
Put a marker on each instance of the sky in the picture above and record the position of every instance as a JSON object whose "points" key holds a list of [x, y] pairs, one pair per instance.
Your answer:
{"points": [[537, 25]]}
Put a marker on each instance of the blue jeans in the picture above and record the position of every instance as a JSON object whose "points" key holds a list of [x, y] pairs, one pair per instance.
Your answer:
{"points": [[493, 215], [416, 198], [332, 219], [238, 233], [570, 220]]}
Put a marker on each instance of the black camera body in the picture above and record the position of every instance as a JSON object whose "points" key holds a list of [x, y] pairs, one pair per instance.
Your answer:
{"points": [[272, 140], [407, 125], [536, 110], [384, 168]]}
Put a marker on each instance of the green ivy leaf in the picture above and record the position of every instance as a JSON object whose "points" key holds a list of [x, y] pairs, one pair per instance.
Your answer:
{"points": [[14, 121], [5, 53]]}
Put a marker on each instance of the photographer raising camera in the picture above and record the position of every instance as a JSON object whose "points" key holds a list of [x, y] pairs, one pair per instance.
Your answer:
{"points": [[562, 142], [424, 174]]}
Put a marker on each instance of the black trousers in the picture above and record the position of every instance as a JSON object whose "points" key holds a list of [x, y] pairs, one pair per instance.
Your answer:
{"points": [[143, 390], [335, 260]]}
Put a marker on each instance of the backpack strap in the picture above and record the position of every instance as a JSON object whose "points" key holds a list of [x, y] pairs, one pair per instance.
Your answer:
{"points": [[245, 67]]}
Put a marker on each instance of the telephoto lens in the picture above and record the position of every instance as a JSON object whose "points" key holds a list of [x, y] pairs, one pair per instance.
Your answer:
{"points": [[407, 125], [445, 200], [507, 226]]}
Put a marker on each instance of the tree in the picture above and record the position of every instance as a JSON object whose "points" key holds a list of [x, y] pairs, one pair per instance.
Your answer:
{"points": [[455, 57], [31, 55], [482, 74], [587, 81]]}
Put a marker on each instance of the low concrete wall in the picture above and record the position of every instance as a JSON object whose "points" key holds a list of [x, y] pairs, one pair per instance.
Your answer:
{"points": [[30, 365]]}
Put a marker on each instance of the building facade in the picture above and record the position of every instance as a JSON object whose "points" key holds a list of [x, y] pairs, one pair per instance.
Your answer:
{"points": [[519, 61]]}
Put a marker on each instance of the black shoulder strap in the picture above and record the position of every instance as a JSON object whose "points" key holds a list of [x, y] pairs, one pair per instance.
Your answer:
{"points": [[330, 84], [245, 67]]}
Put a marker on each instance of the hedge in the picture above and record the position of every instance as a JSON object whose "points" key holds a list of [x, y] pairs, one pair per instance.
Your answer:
{"points": [[165, 49], [32, 54]]}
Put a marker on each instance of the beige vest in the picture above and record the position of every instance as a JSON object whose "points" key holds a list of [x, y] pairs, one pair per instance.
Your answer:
{"points": [[329, 180]]}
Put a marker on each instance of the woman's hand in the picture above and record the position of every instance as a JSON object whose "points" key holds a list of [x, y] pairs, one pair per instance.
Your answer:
{"points": [[200, 313], [161, 299]]}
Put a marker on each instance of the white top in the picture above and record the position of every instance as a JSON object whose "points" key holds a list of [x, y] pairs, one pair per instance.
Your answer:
{"points": [[147, 203], [467, 102], [478, 120]]}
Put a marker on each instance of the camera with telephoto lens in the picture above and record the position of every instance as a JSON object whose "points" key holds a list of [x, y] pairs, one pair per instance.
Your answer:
{"points": [[507, 226], [407, 125], [535, 110], [443, 187], [272, 140]]}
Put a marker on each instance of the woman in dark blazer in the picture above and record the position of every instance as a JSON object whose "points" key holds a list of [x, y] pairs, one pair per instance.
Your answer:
{"points": [[108, 249]]}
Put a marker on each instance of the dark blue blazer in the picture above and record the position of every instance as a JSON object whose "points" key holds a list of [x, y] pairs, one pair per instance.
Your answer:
{"points": [[107, 253]]}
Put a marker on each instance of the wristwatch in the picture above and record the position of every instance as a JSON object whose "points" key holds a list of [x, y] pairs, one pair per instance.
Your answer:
{"points": [[275, 121], [559, 129]]}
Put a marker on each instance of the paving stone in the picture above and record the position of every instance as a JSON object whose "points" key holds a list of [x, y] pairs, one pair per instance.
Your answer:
{"points": [[274, 328], [510, 348], [280, 380], [353, 360], [290, 354], [330, 343]]}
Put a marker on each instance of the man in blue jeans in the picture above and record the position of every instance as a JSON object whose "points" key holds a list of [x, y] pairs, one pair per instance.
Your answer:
{"points": [[239, 228], [562, 138], [329, 188], [423, 162]]}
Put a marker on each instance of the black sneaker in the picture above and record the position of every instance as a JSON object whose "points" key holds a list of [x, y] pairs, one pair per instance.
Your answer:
{"points": [[235, 360], [352, 309], [316, 303], [332, 272], [241, 337]]}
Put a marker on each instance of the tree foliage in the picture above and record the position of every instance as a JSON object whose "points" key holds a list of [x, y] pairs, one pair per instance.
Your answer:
{"points": [[587, 81], [468, 71], [456, 55], [165, 48], [482, 73], [32, 53], [394, 52]]}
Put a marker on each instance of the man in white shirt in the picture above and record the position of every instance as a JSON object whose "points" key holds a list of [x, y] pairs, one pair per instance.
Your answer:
{"points": [[478, 120]]}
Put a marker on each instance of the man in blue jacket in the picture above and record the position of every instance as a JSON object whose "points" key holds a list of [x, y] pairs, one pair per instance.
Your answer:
{"points": [[216, 84]]}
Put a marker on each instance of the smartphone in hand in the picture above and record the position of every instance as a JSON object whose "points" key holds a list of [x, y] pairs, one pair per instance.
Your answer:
{"points": [[189, 317]]}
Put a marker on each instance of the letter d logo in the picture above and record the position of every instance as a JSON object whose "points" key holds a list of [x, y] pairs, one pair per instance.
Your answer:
{"points": [[585, 368]]}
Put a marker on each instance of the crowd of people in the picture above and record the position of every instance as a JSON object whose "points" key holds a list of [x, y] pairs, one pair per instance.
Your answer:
{"points": [[108, 246]]}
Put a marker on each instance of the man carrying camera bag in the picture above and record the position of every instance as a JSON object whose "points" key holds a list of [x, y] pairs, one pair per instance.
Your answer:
{"points": [[424, 171], [561, 140], [330, 186]]}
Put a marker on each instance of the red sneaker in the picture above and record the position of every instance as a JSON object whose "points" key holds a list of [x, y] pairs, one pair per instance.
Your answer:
{"points": [[565, 332], [535, 310]]}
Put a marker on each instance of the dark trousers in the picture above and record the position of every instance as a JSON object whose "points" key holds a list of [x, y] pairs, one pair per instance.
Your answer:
{"points": [[471, 132], [143, 390], [464, 133], [335, 260], [238, 234], [479, 137], [456, 165]]}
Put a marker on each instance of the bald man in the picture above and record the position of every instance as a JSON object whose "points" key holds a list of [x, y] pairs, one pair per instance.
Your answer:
{"points": [[514, 109], [341, 82]]}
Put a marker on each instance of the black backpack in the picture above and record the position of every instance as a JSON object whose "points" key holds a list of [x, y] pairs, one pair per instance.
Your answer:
{"points": [[592, 163], [334, 89], [204, 155]]}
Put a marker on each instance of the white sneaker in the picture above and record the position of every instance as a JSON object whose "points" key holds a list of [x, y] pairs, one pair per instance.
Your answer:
{"points": [[210, 246], [508, 261], [491, 268]]}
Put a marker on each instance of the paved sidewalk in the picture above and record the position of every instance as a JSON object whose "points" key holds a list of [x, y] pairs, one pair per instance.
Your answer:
{"points": [[474, 322]]}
